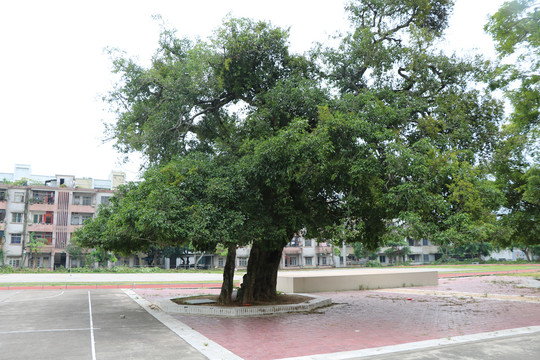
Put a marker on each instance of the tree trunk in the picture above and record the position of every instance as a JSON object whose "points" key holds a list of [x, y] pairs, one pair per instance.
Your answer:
{"points": [[260, 281], [228, 277], [526, 251]]}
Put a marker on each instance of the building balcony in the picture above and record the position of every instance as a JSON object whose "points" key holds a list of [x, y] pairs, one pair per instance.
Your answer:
{"points": [[323, 250], [42, 207], [82, 208], [292, 250], [71, 228], [46, 249], [41, 227], [416, 249]]}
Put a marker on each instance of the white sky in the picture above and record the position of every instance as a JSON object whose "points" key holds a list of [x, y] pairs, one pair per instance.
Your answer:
{"points": [[53, 70]]}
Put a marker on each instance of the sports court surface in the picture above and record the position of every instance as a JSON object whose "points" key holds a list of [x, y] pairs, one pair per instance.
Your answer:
{"points": [[485, 315], [83, 324]]}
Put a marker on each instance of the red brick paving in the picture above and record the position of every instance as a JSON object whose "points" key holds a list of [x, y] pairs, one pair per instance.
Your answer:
{"points": [[507, 285], [483, 273], [367, 319]]}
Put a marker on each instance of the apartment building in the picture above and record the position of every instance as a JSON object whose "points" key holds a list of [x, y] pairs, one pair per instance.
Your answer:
{"points": [[307, 253], [421, 252], [52, 211]]}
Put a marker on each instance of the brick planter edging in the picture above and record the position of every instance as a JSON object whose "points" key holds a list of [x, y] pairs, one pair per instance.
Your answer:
{"points": [[169, 306]]}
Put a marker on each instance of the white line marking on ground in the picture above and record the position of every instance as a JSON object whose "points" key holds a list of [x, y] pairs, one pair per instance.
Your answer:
{"points": [[41, 331], [420, 345], [34, 299], [9, 295], [201, 343], [92, 342]]}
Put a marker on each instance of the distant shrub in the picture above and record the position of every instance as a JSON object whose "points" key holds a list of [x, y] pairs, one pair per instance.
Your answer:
{"points": [[6, 269], [373, 264]]}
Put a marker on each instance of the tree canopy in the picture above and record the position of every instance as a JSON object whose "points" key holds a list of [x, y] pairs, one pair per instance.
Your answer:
{"points": [[383, 136], [515, 29]]}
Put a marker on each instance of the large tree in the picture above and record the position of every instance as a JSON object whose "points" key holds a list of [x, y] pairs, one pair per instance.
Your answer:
{"points": [[245, 147], [243, 106]]}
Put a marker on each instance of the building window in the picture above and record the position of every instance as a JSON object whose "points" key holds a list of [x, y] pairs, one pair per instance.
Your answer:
{"points": [[322, 260], [19, 197], [308, 243], [426, 258], [43, 197], [75, 219], [14, 262], [242, 261], [16, 238], [105, 200], [76, 200], [3, 195], [221, 262], [46, 236], [309, 261], [87, 200], [2, 214], [293, 261], [425, 242], [16, 217], [38, 218], [382, 259], [31, 261], [48, 218], [79, 218]]}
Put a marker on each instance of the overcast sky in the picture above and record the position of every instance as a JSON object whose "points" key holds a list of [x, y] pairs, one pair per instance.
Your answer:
{"points": [[54, 71]]}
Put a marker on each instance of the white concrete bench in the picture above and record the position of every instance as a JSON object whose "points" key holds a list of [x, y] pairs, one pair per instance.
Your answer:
{"points": [[353, 279]]}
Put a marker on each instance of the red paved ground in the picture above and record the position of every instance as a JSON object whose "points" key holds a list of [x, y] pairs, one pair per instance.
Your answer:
{"points": [[367, 319], [483, 273]]}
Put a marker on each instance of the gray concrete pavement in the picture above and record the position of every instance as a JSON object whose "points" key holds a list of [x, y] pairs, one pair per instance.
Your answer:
{"points": [[82, 324], [518, 347]]}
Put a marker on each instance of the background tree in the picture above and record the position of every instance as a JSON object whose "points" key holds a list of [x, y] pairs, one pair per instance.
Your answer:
{"points": [[514, 28], [79, 253], [424, 131], [397, 251], [34, 247]]}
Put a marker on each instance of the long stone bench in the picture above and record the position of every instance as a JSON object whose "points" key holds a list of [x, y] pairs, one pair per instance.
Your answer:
{"points": [[353, 279]]}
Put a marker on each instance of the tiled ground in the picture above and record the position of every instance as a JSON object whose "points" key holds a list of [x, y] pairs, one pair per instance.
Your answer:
{"points": [[367, 319]]}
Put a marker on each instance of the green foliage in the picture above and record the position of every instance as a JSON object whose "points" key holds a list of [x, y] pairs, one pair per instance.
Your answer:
{"points": [[373, 264], [397, 249], [20, 182], [34, 246], [515, 29], [377, 140], [361, 251], [6, 269]]}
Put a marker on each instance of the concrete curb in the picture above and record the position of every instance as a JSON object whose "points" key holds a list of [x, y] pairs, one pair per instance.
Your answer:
{"points": [[170, 307], [420, 345]]}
